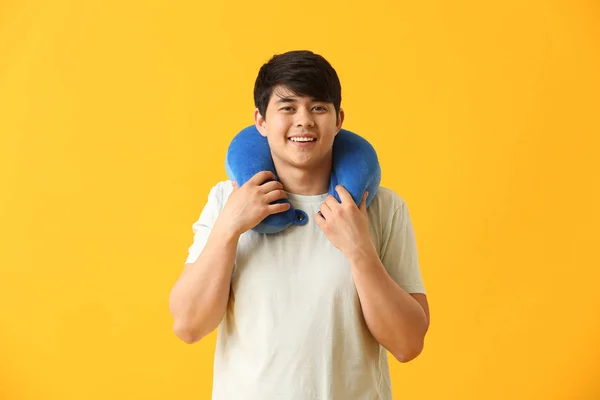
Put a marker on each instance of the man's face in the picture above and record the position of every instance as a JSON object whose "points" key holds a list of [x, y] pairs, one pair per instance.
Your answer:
{"points": [[300, 130]]}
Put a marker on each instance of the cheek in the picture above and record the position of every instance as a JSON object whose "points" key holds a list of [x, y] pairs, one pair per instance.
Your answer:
{"points": [[279, 127], [328, 123], [276, 134], [330, 140]]}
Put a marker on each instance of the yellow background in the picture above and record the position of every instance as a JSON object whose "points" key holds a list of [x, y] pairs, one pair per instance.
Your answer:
{"points": [[114, 121]]}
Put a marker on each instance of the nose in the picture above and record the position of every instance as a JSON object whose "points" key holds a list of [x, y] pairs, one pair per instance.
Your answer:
{"points": [[304, 118]]}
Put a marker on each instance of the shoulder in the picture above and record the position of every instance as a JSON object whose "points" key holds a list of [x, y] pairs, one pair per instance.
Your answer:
{"points": [[385, 212], [386, 201], [223, 188], [220, 192]]}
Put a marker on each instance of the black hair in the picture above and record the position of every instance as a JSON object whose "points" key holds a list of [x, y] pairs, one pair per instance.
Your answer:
{"points": [[304, 73]]}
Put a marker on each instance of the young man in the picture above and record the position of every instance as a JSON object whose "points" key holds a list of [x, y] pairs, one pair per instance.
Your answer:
{"points": [[307, 313]]}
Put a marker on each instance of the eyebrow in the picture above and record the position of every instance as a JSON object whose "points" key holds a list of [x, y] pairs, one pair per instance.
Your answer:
{"points": [[293, 99]]}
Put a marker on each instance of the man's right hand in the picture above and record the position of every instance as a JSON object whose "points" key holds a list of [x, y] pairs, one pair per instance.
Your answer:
{"points": [[248, 205]]}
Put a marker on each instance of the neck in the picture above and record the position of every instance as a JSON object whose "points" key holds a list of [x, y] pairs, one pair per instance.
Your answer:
{"points": [[305, 181]]}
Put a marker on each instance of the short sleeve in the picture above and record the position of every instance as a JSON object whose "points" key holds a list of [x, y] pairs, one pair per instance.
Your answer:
{"points": [[399, 252], [206, 221]]}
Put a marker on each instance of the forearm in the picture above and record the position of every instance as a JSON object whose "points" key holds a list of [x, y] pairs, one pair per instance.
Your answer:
{"points": [[199, 298], [396, 320]]}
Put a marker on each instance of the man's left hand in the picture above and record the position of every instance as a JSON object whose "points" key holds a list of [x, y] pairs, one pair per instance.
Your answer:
{"points": [[345, 225]]}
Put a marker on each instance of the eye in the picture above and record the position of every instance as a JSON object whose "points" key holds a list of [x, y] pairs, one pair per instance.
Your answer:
{"points": [[288, 108], [320, 108]]}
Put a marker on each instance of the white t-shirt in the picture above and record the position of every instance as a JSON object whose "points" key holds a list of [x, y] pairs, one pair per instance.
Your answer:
{"points": [[294, 328]]}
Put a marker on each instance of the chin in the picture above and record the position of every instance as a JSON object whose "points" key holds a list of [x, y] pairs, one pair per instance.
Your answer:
{"points": [[300, 162], [294, 161]]}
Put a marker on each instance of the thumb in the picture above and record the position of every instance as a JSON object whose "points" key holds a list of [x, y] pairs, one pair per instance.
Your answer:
{"points": [[235, 185]]}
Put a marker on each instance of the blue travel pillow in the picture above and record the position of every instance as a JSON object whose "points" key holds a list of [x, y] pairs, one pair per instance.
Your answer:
{"points": [[355, 166]]}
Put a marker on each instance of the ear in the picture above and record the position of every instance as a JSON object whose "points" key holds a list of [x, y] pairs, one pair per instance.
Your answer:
{"points": [[340, 121], [260, 123]]}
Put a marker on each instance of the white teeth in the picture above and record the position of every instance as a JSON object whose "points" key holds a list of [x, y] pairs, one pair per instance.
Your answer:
{"points": [[302, 139]]}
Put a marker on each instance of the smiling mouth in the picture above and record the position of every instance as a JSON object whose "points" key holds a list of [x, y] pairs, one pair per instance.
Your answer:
{"points": [[302, 140]]}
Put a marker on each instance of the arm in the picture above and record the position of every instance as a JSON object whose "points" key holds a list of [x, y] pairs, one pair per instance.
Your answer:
{"points": [[199, 298], [395, 318]]}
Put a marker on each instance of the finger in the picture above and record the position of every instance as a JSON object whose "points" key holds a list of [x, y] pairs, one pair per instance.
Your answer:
{"points": [[270, 186], [325, 210], [363, 203], [260, 177], [274, 195], [235, 185], [345, 197], [332, 202], [277, 208], [320, 220]]}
